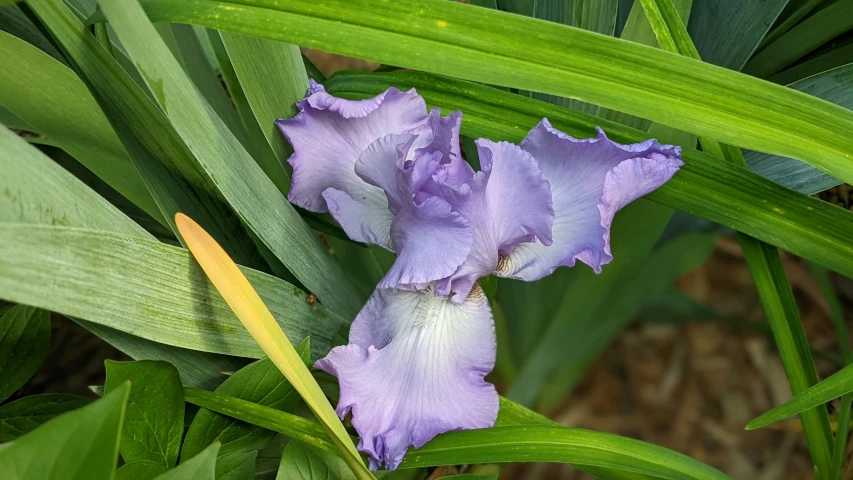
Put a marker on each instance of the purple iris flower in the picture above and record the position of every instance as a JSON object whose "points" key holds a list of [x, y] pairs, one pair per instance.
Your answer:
{"points": [[392, 174]]}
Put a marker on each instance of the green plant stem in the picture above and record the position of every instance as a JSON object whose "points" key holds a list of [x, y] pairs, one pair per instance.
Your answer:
{"points": [[764, 264], [836, 314]]}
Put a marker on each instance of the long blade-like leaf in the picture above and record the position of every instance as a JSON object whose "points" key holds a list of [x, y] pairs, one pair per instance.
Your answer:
{"points": [[509, 50], [145, 288], [165, 162], [816, 30], [273, 78], [250, 309], [523, 438], [227, 163], [51, 97], [827, 390]]}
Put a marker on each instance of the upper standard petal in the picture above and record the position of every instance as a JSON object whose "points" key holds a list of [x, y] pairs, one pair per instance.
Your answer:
{"points": [[329, 134]]}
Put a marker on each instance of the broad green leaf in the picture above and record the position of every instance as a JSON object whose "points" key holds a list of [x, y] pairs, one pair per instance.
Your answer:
{"points": [[834, 86], [250, 309], [484, 45], [835, 19], [139, 470], [26, 414], [727, 33], [24, 344], [200, 467], [224, 160], [163, 160], [236, 466], [196, 368], [259, 382], [145, 288], [705, 186], [273, 78], [37, 190], [51, 97], [79, 445], [155, 410], [302, 460], [765, 265], [257, 142], [530, 443]]}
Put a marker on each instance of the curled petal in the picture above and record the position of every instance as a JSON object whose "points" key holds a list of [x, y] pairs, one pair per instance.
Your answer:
{"points": [[366, 219], [591, 179], [508, 202], [378, 166], [329, 134], [415, 368], [431, 241]]}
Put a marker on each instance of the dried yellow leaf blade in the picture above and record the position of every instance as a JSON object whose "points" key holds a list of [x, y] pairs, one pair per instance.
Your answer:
{"points": [[250, 309]]}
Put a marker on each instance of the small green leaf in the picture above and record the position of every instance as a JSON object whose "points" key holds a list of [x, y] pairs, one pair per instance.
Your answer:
{"points": [[155, 410], [24, 344], [200, 467], [302, 460], [236, 466], [139, 470], [26, 414], [79, 445], [259, 382]]}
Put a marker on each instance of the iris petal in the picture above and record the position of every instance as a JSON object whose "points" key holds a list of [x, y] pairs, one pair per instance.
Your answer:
{"points": [[415, 368], [329, 134], [507, 203], [591, 179], [431, 241]]}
